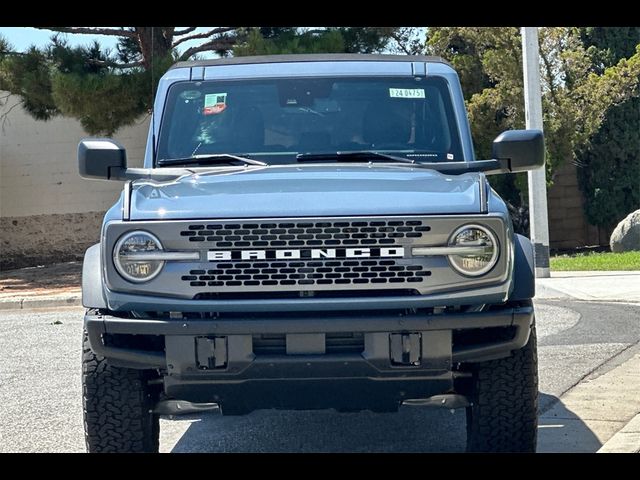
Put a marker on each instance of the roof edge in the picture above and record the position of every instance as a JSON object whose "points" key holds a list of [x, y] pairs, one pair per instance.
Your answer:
{"points": [[318, 57]]}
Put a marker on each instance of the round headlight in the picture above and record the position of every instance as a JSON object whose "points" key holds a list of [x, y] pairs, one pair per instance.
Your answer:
{"points": [[131, 256], [484, 246]]}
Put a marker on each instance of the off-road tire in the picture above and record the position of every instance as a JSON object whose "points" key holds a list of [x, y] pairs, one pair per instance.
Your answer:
{"points": [[504, 414], [117, 406]]}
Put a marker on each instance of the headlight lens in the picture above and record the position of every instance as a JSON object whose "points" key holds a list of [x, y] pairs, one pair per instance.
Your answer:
{"points": [[474, 265], [133, 244]]}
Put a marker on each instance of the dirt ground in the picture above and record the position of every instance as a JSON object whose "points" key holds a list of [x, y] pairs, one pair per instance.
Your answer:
{"points": [[41, 280]]}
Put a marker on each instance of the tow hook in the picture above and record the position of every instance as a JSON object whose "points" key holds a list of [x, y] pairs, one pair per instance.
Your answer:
{"points": [[181, 407], [450, 401]]}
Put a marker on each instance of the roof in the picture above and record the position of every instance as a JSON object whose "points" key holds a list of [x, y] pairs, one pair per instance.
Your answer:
{"points": [[322, 57]]}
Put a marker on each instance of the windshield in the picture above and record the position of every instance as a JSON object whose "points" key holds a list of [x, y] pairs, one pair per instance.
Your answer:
{"points": [[276, 119]]}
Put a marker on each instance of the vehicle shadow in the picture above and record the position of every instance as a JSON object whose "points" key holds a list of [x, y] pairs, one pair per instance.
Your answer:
{"points": [[562, 431], [413, 429]]}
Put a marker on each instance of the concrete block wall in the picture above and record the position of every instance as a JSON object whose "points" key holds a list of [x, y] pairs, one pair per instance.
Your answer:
{"points": [[47, 212], [568, 225]]}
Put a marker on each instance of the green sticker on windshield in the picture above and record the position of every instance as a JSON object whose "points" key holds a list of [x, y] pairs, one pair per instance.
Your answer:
{"points": [[214, 103], [406, 92]]}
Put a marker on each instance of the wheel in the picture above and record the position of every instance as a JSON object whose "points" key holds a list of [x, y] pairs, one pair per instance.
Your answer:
{"points": [[117, 406], [504, 414]]}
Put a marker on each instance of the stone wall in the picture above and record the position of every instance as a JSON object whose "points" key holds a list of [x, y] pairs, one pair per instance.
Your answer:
{"points": [[47, 212]]}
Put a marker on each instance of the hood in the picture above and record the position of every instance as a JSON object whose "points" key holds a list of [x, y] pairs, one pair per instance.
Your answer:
{"points": [[305, 190]]}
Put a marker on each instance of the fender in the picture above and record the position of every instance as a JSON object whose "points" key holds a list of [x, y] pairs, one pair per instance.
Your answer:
{"points": [[92, 291], [524, 277]]}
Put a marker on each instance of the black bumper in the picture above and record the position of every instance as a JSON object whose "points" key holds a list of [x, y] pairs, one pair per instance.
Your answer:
{"points": [[220, 361]]}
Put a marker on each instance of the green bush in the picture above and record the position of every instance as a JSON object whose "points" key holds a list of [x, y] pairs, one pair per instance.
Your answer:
{"points": [[609, 172]]}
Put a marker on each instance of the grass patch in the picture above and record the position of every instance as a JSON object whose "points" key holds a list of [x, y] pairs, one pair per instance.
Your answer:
{"points": [[596, 261]]}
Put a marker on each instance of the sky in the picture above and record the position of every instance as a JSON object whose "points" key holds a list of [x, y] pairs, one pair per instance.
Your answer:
{"points": [[21, 38]]}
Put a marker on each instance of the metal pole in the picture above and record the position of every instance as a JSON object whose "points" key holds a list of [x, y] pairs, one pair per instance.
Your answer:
{"points": [[538, 220]]}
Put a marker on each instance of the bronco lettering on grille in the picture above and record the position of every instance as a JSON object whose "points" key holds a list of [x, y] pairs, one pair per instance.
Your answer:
{"points": [[314, 253]]}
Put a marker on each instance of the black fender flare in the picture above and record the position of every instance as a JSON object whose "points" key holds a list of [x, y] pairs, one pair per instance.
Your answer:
{"points": [[92, 289], [524, 270]]}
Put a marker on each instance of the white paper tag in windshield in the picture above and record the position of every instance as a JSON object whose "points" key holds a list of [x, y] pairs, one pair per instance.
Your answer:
{"points": [[406, 92], [214, 103]]}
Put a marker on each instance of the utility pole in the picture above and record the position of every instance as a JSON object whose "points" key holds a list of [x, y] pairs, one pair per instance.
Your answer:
{"points": [[538, 221]]}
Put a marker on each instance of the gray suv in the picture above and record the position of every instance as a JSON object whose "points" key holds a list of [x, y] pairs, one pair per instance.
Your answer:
{"points": [[309, 232]]}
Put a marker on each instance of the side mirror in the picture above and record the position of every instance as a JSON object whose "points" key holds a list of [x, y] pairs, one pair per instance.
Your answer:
{"points": [[101, 158], [519, 150]]}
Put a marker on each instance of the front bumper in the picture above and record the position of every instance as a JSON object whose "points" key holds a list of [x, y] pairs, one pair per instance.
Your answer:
{"points": [[219, 361]]}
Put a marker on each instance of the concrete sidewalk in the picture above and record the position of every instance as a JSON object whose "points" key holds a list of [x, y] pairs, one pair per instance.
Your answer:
{"points": [[599, 286]]}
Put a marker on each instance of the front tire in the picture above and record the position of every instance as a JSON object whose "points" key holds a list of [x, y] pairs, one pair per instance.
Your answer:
{"points": [[504, 414], [117, 406]]}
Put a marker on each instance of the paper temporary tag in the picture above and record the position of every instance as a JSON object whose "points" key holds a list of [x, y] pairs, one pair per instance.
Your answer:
{"points": [[214, 103], [406, 92]]}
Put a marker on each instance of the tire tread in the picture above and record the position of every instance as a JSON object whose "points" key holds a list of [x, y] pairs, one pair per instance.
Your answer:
{"points": [[117, 404]]}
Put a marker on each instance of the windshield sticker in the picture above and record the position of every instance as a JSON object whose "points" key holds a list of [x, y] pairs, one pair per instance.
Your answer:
{"points": [[449, 156], [406, 92], [214, 103]]}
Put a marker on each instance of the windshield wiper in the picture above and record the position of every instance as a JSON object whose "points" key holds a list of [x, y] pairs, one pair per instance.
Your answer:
{"points": [[449, 168], [357, 156], [211, 158]]}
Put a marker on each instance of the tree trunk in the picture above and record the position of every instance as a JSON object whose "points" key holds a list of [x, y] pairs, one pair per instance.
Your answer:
{"points": [[155, 43]]}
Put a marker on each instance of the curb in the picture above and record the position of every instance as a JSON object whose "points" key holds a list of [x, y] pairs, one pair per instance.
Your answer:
{"points": [[41, 302], [626, 440]]}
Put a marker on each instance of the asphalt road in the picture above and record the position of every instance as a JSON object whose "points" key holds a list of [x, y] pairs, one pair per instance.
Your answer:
{"points": [[40, 400]]}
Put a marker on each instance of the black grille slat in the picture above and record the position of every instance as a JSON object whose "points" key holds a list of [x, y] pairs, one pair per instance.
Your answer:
{"points": [[334, 233], [308, 273]]}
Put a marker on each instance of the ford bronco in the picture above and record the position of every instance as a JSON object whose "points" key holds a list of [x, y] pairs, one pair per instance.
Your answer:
{"points": [[309, 232]]}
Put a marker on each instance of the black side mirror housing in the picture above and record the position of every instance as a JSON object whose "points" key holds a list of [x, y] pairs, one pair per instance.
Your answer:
{"points": [[519, 150], [101, 159]]}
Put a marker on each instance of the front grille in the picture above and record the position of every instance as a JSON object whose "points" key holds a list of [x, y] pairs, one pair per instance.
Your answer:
{"points": [[298, 257], [304, 234], [333, 272], [335, 343]]}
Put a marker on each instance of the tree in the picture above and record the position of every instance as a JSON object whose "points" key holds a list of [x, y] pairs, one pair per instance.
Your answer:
{"points": [[576, 96], [282, 40], [106, 90], [609, 168]]}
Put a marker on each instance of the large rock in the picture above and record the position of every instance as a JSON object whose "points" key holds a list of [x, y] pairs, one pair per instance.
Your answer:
{"points": [[626, 236]]}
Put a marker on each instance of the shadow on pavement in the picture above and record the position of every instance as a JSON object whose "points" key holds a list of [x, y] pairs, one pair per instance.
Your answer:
{"points": [[562, 431], [413, 429]]}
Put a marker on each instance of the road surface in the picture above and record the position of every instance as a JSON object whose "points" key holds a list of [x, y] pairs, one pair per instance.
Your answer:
{"points": [[40, 392]]}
